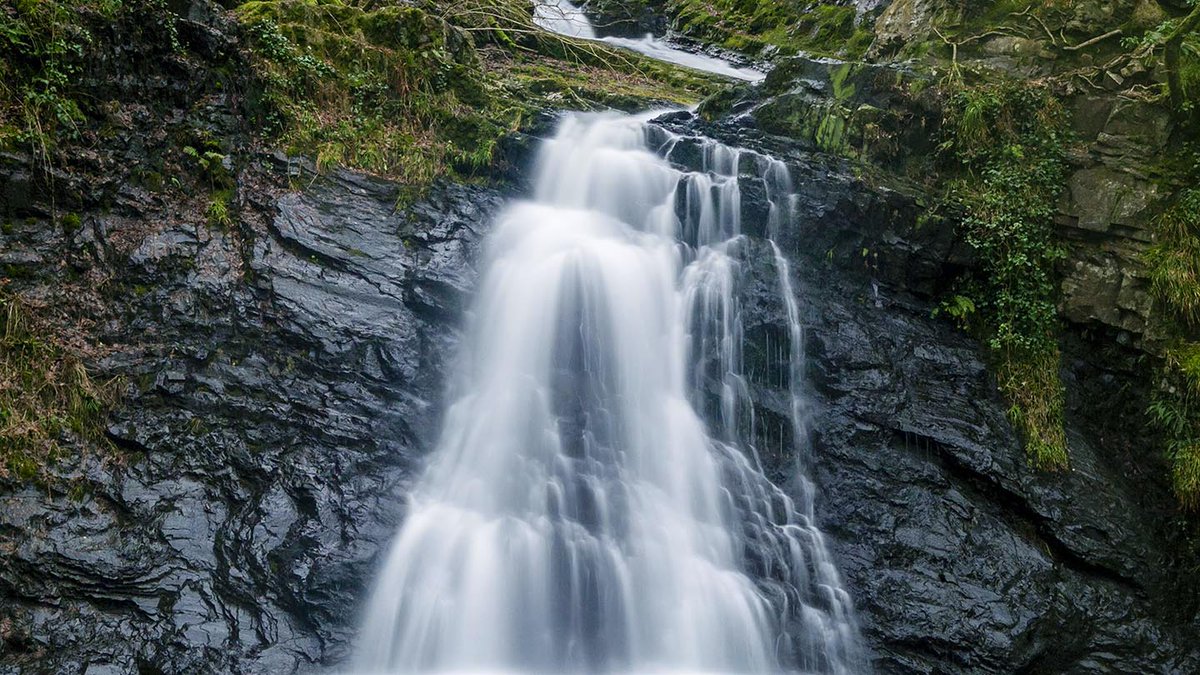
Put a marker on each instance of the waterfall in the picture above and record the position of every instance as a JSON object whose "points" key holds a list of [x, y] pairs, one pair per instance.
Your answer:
{"points": [[595, 502]]}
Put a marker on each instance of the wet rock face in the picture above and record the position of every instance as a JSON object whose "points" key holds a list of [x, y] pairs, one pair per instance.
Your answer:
{"points": [[959, 557], [286, 378], [285, 385]]}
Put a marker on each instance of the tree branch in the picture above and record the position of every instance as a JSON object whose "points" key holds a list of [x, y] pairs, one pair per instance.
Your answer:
{"points": [[1088, 43]]}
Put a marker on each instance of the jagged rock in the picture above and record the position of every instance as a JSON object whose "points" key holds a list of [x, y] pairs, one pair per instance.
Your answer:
{"points": [[281, 415], [626, 18]]}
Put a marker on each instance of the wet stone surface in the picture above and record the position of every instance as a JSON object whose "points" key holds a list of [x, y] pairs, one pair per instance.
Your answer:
{"points": [[286, 375]]}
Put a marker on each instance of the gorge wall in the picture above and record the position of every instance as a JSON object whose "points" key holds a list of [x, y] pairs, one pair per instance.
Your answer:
{"points": [[282, 380]]}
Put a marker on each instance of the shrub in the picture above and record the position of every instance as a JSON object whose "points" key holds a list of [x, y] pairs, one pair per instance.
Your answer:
{"points": [[1006, 142]]}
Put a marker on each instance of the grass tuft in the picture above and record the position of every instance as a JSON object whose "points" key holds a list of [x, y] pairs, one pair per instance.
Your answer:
{"points": [[1174, 259], [48, 401], [1032, 385]]}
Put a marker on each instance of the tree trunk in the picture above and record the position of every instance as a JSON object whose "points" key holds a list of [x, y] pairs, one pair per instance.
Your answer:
{"points": [[1171, 52]]}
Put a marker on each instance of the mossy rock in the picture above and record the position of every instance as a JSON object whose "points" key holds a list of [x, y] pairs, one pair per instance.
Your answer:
{"points": [[860, 111]]}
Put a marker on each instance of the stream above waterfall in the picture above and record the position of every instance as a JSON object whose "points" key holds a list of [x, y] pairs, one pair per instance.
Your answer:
{"points": [[565, 18]]}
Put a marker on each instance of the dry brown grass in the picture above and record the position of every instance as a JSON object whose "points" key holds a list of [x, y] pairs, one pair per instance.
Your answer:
{"points": [[49, 403]]}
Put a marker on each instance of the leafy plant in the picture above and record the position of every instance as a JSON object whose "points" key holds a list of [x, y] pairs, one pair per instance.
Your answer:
{"points": [[44, 47], [41, 48], [1175, 411], [1007, 142], [960, 308], [211, 165], [218, 209]]}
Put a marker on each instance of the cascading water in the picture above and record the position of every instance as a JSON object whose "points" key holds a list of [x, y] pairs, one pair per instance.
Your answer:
{"points": [[578, 514]]}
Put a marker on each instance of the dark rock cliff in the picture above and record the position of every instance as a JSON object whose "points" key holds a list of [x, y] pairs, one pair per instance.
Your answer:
{"points": [[959, 556], [284, 380]]}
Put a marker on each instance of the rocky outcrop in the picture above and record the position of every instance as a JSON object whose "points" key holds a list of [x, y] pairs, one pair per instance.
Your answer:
{"points": [[285, 381], [1107, 210], [961, 558], [625, 18], [284, 378]]}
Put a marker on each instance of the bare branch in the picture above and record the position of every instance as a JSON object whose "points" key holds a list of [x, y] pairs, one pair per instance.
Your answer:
{"points": [[1088, 43]]}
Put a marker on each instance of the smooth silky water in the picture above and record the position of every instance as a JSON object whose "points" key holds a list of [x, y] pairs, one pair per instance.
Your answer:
{"points": [[595, 502]]}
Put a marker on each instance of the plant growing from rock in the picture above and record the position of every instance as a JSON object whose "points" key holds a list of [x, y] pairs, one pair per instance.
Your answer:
{"points": [[48, 401], [1173, 263], [1006, 143]]}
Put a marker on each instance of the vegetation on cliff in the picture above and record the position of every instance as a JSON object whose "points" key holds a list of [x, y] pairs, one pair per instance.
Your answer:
{"points": [[44, 45], [1005, 142], [418, 90], [1173, 262], [48, 402], [401, 89], [411, 91], [1142, 51]]}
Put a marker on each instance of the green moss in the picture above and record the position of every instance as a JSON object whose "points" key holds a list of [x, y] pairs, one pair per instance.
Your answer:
{"points": [[71, 222], [839, 77], [547, 82], [418, 91], [48, 402], [862, 112]]}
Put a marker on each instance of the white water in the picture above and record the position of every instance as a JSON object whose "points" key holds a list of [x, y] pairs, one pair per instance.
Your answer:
{"points": [[564, 18], [579, 514]]}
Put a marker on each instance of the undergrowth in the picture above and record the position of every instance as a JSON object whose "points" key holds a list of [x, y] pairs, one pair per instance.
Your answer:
{"points": [[403, 89], [1173, 263], [48, 402], [1005, 144], [409, 90], [44, 45], [392, 90]]}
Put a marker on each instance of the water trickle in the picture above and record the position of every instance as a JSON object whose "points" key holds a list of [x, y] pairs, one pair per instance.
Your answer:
{"points": [[579, 514]]}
